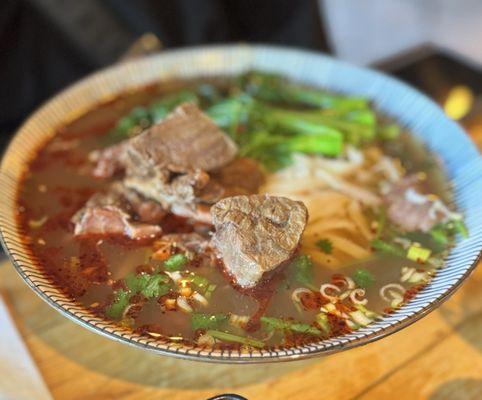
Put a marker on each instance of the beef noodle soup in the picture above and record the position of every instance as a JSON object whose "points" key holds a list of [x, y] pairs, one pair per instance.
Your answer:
{"points": [[249, 212]]}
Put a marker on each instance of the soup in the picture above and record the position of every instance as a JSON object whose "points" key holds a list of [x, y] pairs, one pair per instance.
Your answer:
{"points": [[244, 212]]}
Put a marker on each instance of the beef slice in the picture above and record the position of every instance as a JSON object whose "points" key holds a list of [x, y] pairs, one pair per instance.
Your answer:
{"points": [[255, 234], [409, 207], [186, 140]]}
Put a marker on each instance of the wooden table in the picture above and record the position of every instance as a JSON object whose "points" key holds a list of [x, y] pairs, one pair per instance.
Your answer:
{"points": [[439, 357]]}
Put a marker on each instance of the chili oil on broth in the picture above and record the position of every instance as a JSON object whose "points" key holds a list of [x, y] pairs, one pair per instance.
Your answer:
{"points": [[58, 182]]}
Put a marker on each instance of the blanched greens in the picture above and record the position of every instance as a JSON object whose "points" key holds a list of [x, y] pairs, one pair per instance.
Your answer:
{"points": [[257, 113]]}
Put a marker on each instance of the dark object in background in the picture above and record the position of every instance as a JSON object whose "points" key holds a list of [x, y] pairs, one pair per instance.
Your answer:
{"points": [[47, 44]]}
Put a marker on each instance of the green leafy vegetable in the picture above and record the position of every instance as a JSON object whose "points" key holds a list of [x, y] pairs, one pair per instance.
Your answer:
{"points": [[229, 337], [363, 278], [175, 262], [325, 245], [317, 122], [439, 235], [460, 228], [388, 248], [207, 321], [270, 324], [231, 113], [388, 132], [140, 118], [273, 88], [436, 239], [302, 271]]}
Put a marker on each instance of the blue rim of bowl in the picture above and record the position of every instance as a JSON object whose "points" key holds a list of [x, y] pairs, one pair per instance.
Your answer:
{"points": [[407, 106]]}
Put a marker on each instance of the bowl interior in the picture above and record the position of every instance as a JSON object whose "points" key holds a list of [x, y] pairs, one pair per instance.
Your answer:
{"points": [[407, 106]]}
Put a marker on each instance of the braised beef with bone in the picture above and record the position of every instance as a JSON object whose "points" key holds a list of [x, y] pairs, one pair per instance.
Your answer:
{"points": [[185, 163]]}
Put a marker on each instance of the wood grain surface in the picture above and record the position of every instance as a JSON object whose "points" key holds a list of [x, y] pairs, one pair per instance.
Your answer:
{"points": [[439, 357]]}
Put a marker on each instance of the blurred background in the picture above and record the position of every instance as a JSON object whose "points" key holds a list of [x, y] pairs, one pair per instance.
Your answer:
{"points": [[47, 44]]}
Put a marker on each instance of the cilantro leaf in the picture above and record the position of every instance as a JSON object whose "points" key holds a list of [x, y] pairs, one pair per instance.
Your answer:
{"points": [[175, 262], [302, 271], [325, 245], [363, 278], [156, 286]]}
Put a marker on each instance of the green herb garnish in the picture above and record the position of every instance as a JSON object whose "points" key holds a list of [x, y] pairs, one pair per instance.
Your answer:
{"points": [[363, 278], [325, 245], [270, 324], [207, 321], [175, 262], [302, 271]]}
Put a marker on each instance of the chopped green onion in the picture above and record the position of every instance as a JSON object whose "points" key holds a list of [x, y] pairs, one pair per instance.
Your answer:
{"points": [[229, 337], [359, 318], [175, 262], [209, 291], [418, 254], [322, 321], [369, 313], [200, 282]]}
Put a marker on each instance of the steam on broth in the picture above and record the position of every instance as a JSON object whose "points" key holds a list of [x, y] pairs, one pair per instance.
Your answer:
{"points": [[282, 216]]}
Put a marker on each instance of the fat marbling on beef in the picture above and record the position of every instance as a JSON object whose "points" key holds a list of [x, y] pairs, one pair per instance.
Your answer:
{"points": [[255, 234]]}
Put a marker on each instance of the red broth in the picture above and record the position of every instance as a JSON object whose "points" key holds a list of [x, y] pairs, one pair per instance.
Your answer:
{"points": [[91, 270]]}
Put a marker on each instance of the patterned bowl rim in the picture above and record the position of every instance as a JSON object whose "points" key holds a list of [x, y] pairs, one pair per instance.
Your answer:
{"points": [[409, 107]]}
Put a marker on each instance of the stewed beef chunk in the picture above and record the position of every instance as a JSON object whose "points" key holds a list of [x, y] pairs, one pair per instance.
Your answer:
{"points": [[109, 161], [112, 213], [111, 220], [169, 162], [255, 234], [411, 208], [187, 140], [241, 176]]}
